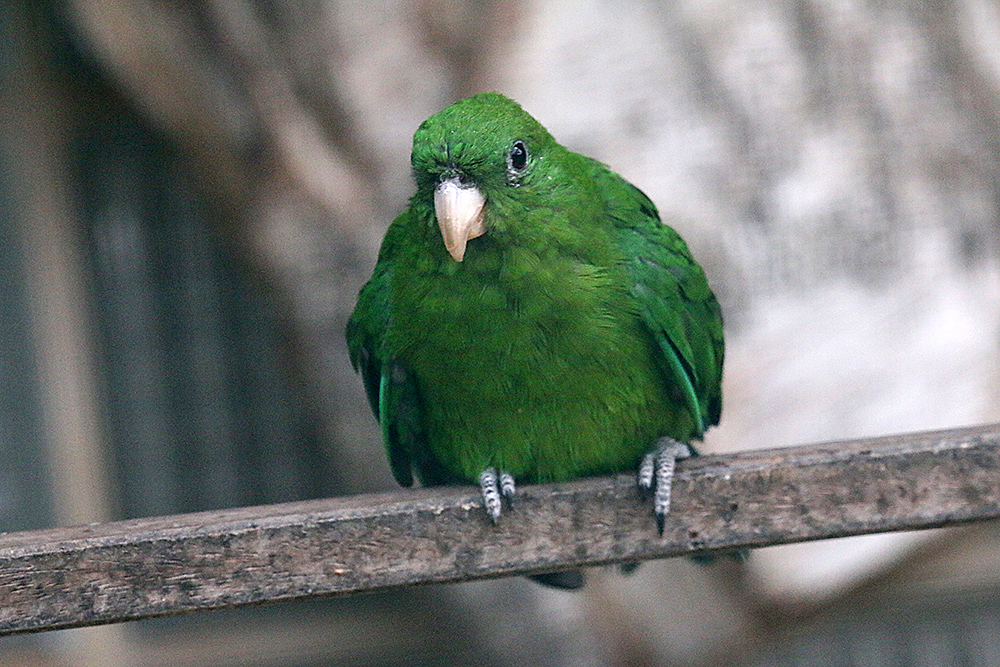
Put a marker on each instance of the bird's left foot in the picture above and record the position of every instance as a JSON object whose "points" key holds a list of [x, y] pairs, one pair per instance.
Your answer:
{"points": [[496, 486], [656, 475]]}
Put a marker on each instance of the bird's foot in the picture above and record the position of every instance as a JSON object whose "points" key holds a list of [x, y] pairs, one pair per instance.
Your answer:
{"points": [[496, 486], [656, 475]]}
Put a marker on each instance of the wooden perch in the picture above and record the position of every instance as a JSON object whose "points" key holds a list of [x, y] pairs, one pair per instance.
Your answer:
{"points": [[125, 570]]}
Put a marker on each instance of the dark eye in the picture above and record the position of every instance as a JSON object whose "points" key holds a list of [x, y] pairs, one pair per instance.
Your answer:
{"points": [[517, 159]]}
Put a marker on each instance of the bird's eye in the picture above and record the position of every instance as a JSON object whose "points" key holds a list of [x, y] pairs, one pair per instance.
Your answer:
{"points": [[517, 159]]}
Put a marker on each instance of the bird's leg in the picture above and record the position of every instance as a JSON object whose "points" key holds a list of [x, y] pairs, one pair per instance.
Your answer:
{"points": [[656, 475], [507, 489], [496, 487]]}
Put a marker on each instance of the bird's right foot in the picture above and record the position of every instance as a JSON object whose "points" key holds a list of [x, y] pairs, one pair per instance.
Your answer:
{"points": [[496, 486]]}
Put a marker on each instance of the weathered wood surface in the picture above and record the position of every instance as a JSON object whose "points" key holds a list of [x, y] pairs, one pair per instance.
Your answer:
{"points": [[148, 567]]}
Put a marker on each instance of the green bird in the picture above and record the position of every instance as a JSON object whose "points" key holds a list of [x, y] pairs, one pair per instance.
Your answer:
{"points": [[530, 317]]}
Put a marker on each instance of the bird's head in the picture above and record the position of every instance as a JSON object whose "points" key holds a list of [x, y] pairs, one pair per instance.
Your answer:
{"points": [[475, 158]]}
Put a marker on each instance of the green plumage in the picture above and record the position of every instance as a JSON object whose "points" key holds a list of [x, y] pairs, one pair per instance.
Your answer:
{"points": [[575, 332]]}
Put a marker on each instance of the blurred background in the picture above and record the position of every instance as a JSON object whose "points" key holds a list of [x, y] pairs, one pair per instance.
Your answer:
{"points": [[192, 193]]}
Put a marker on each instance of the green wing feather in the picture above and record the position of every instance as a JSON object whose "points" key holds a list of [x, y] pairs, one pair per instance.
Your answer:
{"points": [[392, 389], [673, 299]]}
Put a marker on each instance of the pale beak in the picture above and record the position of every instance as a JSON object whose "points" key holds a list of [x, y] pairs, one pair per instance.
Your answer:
{"points": [[459, 211]]}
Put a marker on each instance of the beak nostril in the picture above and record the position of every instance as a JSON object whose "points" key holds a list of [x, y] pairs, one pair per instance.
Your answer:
{"points": [[452, 173]]}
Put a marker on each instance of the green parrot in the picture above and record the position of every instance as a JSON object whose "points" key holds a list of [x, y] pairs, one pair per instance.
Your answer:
{"points": [[530, 318]]}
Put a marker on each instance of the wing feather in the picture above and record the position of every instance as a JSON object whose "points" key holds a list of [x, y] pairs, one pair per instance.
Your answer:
{"points": [[391, 388], [673, 299]]}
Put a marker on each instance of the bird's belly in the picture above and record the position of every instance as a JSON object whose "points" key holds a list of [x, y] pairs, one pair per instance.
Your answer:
{"points": [[545, 403]]}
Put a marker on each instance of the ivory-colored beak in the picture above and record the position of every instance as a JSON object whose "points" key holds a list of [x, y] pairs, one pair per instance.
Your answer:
{"points": [[459, 212]]}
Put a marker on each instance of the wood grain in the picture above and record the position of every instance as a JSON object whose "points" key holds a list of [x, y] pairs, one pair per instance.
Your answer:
{"points": [[104, 573]]}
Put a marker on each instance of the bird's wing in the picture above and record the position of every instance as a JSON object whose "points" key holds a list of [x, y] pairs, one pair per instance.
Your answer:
{"points": [[672, 297], [391, 387]]}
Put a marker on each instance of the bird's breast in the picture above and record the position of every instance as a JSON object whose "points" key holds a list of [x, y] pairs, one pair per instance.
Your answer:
{"points": [[538, 365]]}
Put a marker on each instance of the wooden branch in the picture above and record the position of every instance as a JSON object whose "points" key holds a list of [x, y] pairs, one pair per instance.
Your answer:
{"points": [[104, 573]]}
